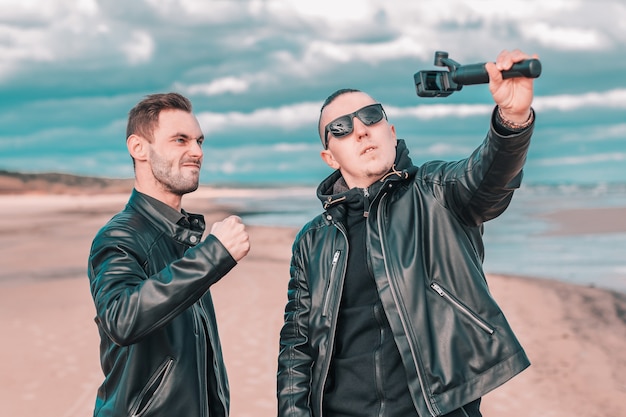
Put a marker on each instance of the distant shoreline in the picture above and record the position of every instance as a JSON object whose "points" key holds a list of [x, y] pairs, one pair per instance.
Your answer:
{"points": [[59, 183], [12, 182]]}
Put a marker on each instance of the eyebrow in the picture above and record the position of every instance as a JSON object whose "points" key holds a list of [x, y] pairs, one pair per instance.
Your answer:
{"points": [[186, 136]]}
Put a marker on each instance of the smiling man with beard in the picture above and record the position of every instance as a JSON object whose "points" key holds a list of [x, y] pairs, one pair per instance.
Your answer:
{"points": [[150, 274]]}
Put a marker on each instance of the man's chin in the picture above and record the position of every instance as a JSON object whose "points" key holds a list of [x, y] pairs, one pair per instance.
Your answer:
{"points": [[188, 187], [192, 188], [379, 171]]}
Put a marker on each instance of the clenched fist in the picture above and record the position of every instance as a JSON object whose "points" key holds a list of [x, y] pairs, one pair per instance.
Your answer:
{"points": [[514, 96], [231, 232]]}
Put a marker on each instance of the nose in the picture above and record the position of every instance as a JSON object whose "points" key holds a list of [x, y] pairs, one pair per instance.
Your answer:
{"points": [[359, 128], [196, 149]]}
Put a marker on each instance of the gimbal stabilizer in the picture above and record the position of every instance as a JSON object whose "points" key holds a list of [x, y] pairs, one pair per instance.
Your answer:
{"points": [[435, 83]]}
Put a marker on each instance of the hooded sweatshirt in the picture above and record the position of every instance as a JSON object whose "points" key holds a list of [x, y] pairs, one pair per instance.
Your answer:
{"points": [[366, 377]]}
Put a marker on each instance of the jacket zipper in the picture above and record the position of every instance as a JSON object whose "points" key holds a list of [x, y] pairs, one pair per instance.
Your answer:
{"points": [[202, 360], [333, 323], [462, 308], [219, 378], [327, 297], [380, 392], [150, 390], [403, 319]]}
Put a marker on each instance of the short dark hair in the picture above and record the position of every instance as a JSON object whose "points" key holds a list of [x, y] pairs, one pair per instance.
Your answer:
{"points": [[329, 100], [336, 94], [143, 118]]}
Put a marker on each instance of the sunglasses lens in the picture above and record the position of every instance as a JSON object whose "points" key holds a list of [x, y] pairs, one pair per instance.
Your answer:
{"points": [[370, 114], [340, 127]]}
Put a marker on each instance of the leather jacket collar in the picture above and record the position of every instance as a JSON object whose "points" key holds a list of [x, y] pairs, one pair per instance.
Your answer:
{"points": [[190, 234], [334, 190]]}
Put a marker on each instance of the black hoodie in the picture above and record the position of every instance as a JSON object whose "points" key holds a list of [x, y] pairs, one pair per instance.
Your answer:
{"points": [[366, 377]]}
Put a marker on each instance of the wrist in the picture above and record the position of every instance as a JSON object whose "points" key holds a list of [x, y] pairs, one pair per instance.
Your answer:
{"points": [[515, 123]]}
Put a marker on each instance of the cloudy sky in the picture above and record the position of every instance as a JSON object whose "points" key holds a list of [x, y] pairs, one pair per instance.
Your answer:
{"points": [[257, 72]]}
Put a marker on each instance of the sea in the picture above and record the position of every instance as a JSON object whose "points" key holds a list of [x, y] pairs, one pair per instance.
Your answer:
{"points": [[520, 242]]}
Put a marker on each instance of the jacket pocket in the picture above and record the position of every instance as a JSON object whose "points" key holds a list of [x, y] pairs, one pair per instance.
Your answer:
{"points": [[462, 308], [329, 288], [148, 393]]}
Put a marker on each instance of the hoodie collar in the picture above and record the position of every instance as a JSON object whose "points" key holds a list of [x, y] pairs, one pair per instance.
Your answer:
{"points": [[334, 190]]}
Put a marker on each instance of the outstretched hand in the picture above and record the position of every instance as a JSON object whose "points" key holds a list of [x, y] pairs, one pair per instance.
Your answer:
{"points": [[231, 232], [514, 96]]}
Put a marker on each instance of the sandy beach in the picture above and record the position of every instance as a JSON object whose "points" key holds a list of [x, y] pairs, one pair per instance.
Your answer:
{"points": [[575, 336]]}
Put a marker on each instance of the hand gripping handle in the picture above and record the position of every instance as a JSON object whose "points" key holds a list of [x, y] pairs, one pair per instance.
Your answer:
{"points": [[477, 74]]}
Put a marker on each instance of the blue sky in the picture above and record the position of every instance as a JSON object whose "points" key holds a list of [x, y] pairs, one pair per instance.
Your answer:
{"points": [[257, 72]]}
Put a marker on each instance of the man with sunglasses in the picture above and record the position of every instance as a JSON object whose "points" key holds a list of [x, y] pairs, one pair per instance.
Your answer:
{"points": [[388, 311]]}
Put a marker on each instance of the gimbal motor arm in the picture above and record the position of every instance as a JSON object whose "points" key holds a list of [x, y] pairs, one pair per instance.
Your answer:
{"points": [[442, 83]]}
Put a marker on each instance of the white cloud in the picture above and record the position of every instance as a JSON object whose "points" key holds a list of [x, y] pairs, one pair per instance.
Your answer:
{"points": [[201, 10], [139, 48], [402, 47], [45, 10], [614, 131], [294, 147], [566, 102], [614, 99], [583, 159], [346, 12], [285, 117], [216, 87], [587, 136], [34, 31], [320, 56], [436, 111], [567, 38], [463, 11], [23, 44]]}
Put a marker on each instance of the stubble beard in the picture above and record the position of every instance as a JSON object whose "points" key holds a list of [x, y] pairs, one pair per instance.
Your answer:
{"points": [[377, 172], [175, 183]]}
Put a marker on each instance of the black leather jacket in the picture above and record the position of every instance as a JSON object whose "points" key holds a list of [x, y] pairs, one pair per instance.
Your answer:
{"points": [[424, 240], [160, 350]]}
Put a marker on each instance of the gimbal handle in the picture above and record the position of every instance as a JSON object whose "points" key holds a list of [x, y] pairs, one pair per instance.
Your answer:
{"points": [[477, 74]]}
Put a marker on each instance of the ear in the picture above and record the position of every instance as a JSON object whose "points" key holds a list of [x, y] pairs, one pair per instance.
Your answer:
{"points": [[327, 156], [137, 147]]}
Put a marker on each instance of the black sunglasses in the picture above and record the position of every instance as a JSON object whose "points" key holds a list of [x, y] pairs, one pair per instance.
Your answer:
{"points": [[343, 125]]}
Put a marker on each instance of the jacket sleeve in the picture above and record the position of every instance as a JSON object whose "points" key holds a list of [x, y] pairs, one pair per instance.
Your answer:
{"points": [[295, 360], [480, 187], [129, 303]]}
